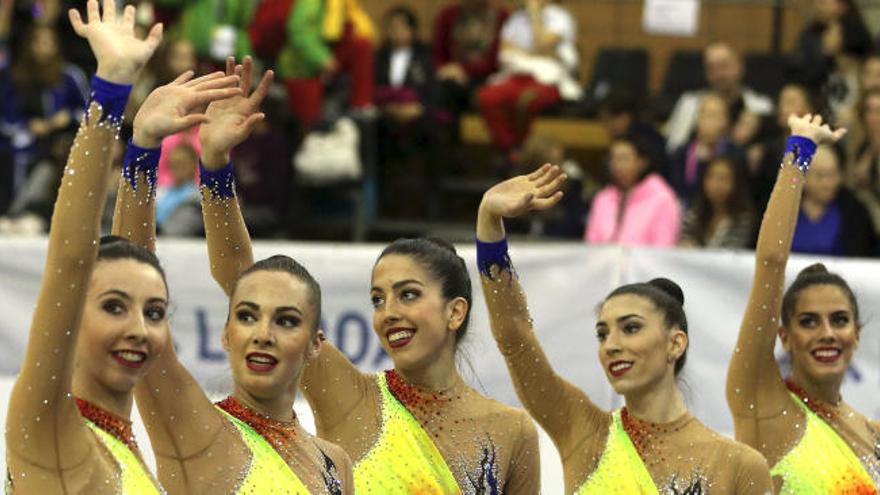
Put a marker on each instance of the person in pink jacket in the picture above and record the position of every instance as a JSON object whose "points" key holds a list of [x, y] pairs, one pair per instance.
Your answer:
{"points": [[638, 207]]}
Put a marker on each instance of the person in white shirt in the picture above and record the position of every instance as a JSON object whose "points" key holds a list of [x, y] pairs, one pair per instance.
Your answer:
{"points": [[724, 73], [538, 59]]}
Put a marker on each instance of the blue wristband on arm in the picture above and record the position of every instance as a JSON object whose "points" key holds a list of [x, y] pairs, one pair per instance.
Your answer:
{"points": [[803, 149], [111, 97], [491, 254], [144, 160], [220, 182]]}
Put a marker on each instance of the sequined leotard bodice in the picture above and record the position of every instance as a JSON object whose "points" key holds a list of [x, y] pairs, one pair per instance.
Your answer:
{"points": [[116, 435], [403, 439], [822, 461], [425, 470], [268, 471], [813, 447]]}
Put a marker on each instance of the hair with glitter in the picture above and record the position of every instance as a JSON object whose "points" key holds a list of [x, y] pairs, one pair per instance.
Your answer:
{"points": [[815, 274], [666, 296], [439, 259], [286, 264]]}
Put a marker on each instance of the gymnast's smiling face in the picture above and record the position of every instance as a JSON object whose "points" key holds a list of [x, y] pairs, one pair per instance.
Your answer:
{"points": [[822, 334], [124, 325], [416, 324], [270, 334], [637, 348]]}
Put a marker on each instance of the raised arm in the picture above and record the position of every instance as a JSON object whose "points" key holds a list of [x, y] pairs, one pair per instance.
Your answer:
{"points": [[167, 110], [179, 417], [231, 122], [43, 424], [557, 405], [755, 386]]}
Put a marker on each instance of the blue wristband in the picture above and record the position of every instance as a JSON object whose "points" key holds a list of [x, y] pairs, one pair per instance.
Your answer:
{"points": [[491, 254], [220, 182], [144, 160], [111, 97], [803, 149]]}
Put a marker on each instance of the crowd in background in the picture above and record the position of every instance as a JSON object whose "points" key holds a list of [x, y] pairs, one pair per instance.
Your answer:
{"points": [[700, 177]]}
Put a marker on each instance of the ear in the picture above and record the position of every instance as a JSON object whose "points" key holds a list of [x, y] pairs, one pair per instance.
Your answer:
{"points": [[678, 343], [457, 310], [783, 338], [225, 338], [316, 344]]}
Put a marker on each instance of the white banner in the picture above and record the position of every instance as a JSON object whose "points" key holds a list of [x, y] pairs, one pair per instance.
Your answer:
{"points": [[564, 283]]}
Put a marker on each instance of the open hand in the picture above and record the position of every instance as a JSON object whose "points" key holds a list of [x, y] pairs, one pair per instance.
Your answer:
{"points": [[231, 120], [179, 105], [119, 52], [812, 128], [537, 191]]}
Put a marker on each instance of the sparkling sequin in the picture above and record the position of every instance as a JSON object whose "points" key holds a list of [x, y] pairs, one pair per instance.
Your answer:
{"points": [[274, 446]]}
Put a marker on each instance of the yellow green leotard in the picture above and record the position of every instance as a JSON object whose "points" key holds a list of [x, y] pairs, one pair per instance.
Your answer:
{"points": [[620, 468], [402, 437], [268, 472], [133, 476], [821, 462]]}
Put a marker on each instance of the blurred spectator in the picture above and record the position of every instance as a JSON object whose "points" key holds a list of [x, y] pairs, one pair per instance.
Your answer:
{"points": [[724, 72], [409, 136], [217, 28], [638, 207], [404, 74], [869, 79], [794, 99], [178, 211], [5, 31], [267, 30], [325, 38], [44, 101], [863, 173], [711, 140], [465, 44], [53, 15], [538, 59], [569, 217], [829, 49], [722, 215], [264, 176], [619, 115], [831, 220], [174, 57], [37, 197], [188, 137]]}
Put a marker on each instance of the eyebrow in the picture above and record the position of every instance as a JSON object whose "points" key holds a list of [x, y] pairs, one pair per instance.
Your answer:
{"points": [[397, 285], [256, 307], [115, 292], [294, 309], [621, 319], [253, 306]]}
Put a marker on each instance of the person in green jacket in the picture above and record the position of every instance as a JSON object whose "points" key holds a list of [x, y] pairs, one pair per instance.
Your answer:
{"points": [[217, 28], [325, 37]]}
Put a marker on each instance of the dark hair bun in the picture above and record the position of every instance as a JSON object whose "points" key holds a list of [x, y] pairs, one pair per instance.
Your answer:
{"points": [[815, 268], [669, 287]]}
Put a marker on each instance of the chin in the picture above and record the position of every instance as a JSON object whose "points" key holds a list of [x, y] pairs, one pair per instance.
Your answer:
{"points": [[829, 374]]}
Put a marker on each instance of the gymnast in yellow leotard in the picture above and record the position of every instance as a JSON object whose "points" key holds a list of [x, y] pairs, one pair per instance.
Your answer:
{"points": [[814, 441], [251, 442]]}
